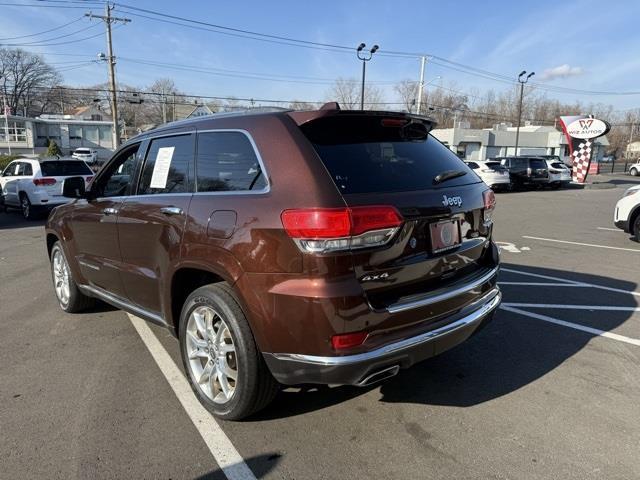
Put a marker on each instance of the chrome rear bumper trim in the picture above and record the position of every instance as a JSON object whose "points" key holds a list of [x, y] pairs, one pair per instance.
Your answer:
{"points": [[491, 301], [445, 295]]}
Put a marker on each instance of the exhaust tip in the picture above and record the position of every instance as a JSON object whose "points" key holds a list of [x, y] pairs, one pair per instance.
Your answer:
{"points": [[379, 376]]}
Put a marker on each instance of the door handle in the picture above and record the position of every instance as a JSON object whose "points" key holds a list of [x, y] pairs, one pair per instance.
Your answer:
{"points": [[172, 210], [109, 211]]}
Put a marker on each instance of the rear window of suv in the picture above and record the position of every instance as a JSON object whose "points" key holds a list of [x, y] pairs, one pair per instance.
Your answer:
{"points": [[64, 168], [371, 153]]}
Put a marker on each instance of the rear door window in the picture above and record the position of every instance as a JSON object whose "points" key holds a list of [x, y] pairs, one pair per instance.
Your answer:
{"points": [[226, 161], [538, 163], [168, 165], [371, 153], [64, 168]]}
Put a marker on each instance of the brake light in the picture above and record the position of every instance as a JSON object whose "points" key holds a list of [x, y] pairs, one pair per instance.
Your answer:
{"points": [[322, 230], [43, 182], [489, 199], [348, 340], [394, 122]]}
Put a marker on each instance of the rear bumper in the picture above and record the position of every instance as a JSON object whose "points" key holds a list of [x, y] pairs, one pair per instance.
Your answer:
{"points": [[622, 225], [291, 369]]}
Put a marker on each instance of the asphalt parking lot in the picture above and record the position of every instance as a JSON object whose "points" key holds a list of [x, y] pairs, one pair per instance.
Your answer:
{"points": [[548, 390]]}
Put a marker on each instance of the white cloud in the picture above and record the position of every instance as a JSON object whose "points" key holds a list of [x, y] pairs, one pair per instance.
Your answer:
{"points": [[562, 71]]}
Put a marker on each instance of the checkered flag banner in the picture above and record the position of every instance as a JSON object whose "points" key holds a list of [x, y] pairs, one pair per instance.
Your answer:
{"points": [[581, 133], [581, 161]]}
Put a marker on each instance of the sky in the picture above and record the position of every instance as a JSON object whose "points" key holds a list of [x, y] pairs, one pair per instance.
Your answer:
{"points": [[586, 45]]}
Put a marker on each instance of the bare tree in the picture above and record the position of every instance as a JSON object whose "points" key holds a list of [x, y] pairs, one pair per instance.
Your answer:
{"points": [[407, 91], [346, 91], [299, 105], [163, 95], [23, 77]]}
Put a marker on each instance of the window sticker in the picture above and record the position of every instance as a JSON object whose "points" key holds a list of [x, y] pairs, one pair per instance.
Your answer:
{"points": [[161, 167]]}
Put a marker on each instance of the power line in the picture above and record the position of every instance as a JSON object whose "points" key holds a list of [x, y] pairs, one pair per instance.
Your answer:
{"points": [[42, 33], [55, 43], [45, 40]]}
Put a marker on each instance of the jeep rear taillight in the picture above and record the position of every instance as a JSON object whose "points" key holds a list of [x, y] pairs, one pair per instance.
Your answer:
{"points": [[489, 199], [44, 182], [321, 230]]}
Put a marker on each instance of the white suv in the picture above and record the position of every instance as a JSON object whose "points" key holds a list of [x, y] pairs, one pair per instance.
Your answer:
{"points": [[627, 212], [89, 155], [635, 169], [491, 172], [34, 185]]}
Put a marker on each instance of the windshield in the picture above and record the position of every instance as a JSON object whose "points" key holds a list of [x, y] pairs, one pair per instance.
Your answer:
{"points": [[363, 155], [64, 168]]}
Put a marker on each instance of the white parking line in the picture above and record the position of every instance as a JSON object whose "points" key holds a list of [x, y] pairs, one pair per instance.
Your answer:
{"points": [[572, 307], [593, 331], [582, 244], [572, 282], [223, 451], [609, 229]]}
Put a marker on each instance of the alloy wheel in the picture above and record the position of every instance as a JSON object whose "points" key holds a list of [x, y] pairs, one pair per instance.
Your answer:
{"points": [[61, 277], [26, 207], [211, 354]]}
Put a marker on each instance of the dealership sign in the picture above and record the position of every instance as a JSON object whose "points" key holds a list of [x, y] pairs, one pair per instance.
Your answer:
{"points": [[587, 128], [581, 132]]}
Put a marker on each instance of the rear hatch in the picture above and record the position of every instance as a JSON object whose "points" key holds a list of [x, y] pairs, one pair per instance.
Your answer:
{"points": [[539, 169], [54, 173], [388, 159]]}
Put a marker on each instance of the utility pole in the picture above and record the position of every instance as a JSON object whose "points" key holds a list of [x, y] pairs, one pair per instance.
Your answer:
{"points": [[111, 62], [521, 82], [423, 61]]}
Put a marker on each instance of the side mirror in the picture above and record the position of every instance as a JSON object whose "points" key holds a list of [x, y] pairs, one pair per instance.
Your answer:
{"points": [[74, 188]]}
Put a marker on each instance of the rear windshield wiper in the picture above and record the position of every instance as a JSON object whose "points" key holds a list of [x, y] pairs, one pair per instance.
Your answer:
{"points": [[448, 175]]}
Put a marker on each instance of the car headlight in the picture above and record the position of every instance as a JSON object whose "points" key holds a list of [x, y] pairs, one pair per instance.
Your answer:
{"points": [[631, 191]]}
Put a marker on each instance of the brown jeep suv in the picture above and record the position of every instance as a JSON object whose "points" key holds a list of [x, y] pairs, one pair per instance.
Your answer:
{"points": [[281, 247]]}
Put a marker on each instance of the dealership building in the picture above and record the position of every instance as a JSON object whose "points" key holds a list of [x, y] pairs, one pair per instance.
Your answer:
{"points": [[500, 141]]}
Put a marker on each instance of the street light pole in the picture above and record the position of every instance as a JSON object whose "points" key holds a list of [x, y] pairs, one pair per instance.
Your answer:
{"points": [[423, 61], [361, 53], [521, 82]]}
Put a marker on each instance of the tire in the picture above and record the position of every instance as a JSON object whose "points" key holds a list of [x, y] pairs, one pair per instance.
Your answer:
{"points": [[634, 172], [25, 207], [214, 338], [635, 228], [69, 296]]}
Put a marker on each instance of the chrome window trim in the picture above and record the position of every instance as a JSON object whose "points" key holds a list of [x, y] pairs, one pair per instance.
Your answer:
{"points": [[491, 301], [265, 173]]}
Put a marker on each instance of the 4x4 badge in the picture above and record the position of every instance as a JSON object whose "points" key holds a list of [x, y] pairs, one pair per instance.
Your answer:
{"points": [[451, 201], [379, 276]]}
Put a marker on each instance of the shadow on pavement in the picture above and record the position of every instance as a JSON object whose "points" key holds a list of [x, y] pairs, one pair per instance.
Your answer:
{"points": [[510, 353], [260, 465], [13, 219]]}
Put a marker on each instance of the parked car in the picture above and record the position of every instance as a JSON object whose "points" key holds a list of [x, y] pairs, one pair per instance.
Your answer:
{"points": [[635, 169], [35, 186], [526, 171], [326, 246], [627, 212], [492, 173], [559, 173], [89, 155]]}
